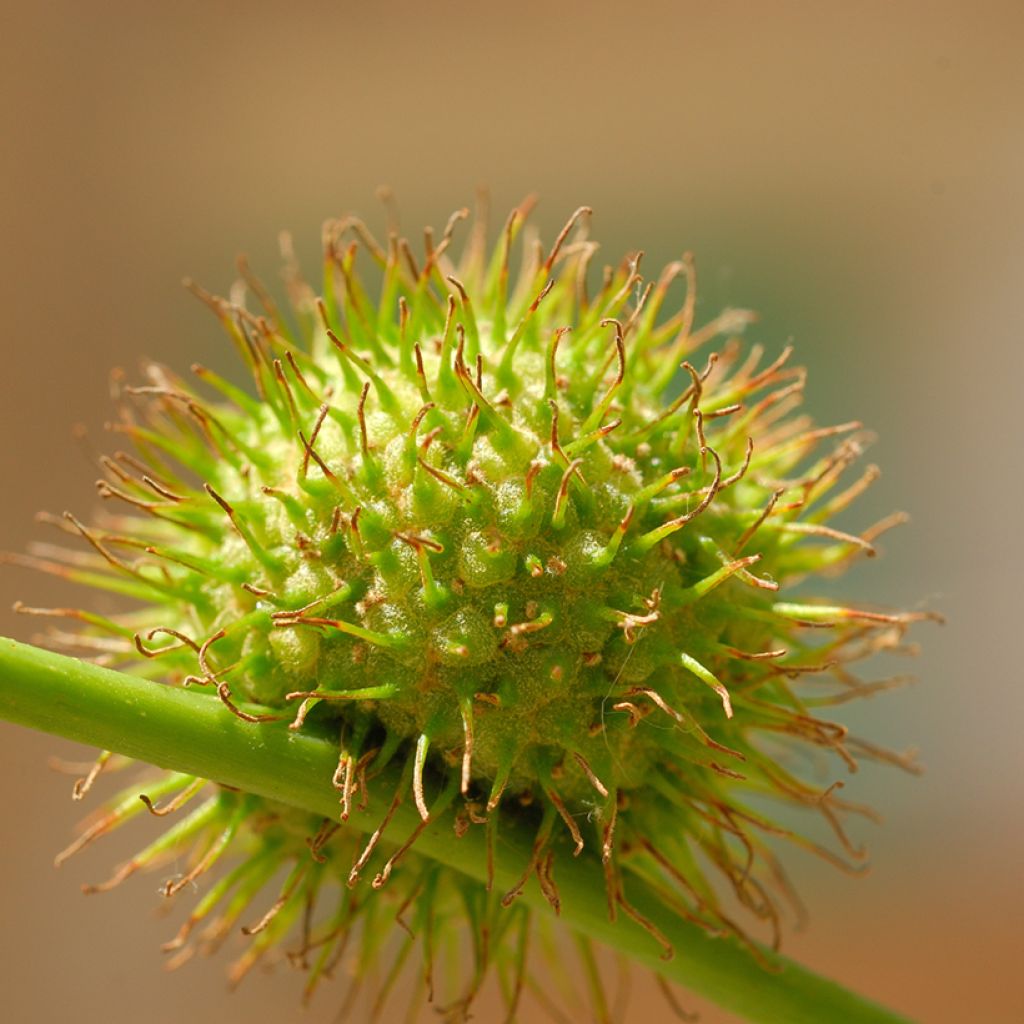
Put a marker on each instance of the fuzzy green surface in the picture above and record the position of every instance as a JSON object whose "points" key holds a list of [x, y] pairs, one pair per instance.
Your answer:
{"points": [[509, 532]]}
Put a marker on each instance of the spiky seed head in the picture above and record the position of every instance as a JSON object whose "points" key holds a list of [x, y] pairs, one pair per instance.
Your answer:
{"points": [[533, 531]]}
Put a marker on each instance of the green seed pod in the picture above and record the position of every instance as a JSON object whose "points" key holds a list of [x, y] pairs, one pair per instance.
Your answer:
{"points": [[517, 535]]}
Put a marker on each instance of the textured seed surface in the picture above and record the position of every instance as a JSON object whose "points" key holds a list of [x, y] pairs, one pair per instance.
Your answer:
{"points": [[532, 531]]}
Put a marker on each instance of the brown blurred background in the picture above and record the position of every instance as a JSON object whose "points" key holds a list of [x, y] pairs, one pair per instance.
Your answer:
{"points": [[851, 170]]}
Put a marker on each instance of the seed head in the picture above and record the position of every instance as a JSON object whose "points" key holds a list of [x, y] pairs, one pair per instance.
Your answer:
{"points": [[531, 532]]}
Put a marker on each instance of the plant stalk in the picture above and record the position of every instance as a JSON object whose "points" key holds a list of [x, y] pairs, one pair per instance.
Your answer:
{"points": [[192, 732]]}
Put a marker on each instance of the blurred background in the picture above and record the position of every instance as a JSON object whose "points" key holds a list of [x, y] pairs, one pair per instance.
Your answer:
{"points": [[853, 171]]}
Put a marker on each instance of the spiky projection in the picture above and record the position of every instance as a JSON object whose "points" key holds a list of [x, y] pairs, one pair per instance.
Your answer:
{"points": [[511, 529]]}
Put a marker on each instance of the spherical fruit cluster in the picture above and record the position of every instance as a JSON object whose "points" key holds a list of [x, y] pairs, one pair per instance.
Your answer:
{"points": [[513, 532]]}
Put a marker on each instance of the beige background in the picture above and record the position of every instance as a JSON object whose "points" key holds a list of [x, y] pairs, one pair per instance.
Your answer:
{"points": [[852, 170]]}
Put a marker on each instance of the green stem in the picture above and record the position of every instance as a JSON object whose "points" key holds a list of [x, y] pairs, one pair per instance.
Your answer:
{"points": [[191, 732]]}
